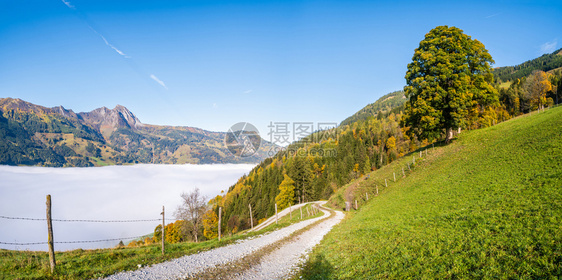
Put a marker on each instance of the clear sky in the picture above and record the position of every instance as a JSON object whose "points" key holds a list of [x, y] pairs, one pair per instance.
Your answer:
{"points": [[210, 64]]}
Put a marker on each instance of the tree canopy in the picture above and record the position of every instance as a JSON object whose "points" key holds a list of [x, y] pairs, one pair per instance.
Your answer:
{"points": [[449, 76]]}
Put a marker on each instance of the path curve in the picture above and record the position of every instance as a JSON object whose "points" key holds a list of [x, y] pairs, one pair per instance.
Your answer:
{"points": [[282, 262], [187, 266], [282, 213]]}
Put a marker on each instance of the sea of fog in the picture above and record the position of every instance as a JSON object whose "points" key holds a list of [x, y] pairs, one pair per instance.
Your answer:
{"points": [[99, 193]]}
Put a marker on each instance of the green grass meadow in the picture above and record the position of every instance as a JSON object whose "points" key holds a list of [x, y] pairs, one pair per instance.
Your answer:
{"points": [[487, 206]]}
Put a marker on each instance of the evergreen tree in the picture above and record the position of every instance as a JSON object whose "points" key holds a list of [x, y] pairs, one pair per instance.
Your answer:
{"points": [[367, 168]]}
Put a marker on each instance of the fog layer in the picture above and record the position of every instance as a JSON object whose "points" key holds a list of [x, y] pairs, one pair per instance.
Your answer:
{"points": [[100, 193]]}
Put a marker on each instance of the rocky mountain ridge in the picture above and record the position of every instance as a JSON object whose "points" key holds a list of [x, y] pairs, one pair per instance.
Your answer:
{"points": [[31, 134]]}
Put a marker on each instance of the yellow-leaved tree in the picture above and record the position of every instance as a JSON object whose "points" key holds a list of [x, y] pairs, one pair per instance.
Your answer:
{"points": [[210, 224], [537, 85], [286, 194]]}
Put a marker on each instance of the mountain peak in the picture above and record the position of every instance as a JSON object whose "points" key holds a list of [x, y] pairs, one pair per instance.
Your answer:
{"points": [[131, 119], [107, 120]]}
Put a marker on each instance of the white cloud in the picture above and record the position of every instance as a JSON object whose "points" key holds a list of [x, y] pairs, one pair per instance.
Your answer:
{"points": [[101, 193], [549, 47], [496, 14], [248, 91], [67, 3], [112, 46], [107, 42], [158, 81]]}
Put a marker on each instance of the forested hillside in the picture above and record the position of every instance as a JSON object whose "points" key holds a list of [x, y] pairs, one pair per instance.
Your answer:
{"points": [[387, 103], [544, 63], [319, 164]]}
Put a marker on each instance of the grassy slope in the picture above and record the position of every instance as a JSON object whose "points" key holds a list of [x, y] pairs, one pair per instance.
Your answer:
{"points": [[487, 206]]}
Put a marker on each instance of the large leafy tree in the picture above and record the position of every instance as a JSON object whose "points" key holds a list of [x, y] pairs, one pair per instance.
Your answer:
{"points": [[449, 76]]}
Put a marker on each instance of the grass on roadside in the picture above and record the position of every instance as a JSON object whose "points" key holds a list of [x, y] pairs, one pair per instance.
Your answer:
{"points": [[489, 205]]}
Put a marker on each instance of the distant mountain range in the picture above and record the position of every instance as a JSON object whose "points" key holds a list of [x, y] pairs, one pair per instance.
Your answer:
{"points": [[35, 135]]}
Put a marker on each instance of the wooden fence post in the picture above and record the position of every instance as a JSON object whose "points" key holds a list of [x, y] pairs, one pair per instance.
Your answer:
{"points": [[385, 184], [377, 189], [394, 173], [290, 211], [163, 229], [50, 238], [276, 216], [251, 219], [356, 205], [367, 194], [420, 154], [220, 216], [301, 212]]}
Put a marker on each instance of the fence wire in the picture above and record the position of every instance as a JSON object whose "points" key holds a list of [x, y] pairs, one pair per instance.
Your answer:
{"points": [[72, 242], [82, 221], [85, 221]]}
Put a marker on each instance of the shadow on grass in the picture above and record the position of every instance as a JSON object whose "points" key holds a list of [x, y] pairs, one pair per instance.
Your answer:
{"points": [[317, 268]]}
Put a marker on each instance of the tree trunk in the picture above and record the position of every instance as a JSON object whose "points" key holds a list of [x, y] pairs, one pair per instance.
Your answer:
{"points": [[449, 135]]}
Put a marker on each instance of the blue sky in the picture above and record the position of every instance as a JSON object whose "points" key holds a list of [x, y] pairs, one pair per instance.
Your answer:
{"points": [[210, 64]]}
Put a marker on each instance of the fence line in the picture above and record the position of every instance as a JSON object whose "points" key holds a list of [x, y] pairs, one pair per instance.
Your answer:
{"points": [[86, 221], [78, 220], [72, 242]]}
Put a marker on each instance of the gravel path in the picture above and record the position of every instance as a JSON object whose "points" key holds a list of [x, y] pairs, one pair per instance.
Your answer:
{"points": [[280, 263], [188, 265], [285, 212]]}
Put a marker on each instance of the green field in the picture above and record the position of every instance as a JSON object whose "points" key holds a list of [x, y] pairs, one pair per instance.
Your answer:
{"points": [[488, 205]]}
